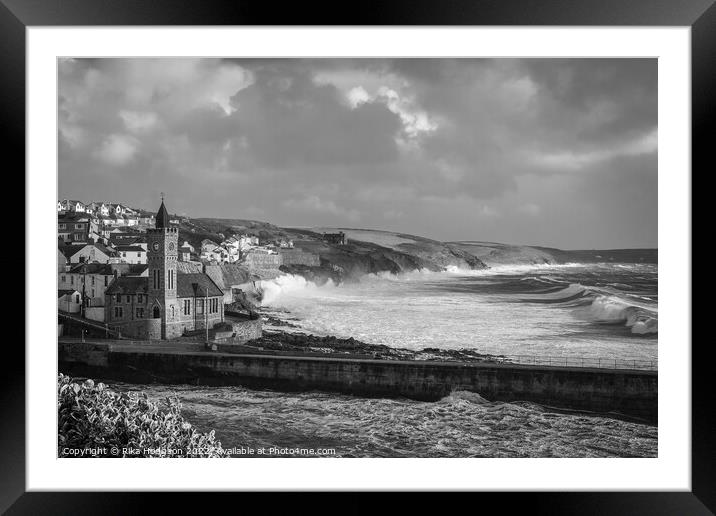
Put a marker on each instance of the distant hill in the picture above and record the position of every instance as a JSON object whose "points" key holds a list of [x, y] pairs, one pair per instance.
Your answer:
{"points": [[370, 251], [493, 253]]}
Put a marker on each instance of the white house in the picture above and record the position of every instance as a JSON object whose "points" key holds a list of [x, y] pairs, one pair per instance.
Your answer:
{"points": [[91, 253], [247, 242], [99, 208], [75, 206], [69, 300], [132, 253]]}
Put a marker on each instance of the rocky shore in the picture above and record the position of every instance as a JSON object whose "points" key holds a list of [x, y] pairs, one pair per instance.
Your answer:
{"points": [[300, 342]]}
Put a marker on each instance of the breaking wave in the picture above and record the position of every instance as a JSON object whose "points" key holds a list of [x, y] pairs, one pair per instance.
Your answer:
{"points": [[571, 309], [602, 305], [273, 289]]}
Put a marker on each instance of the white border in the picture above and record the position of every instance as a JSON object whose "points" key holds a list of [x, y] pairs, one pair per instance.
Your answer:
{"points": [[670, 471]]}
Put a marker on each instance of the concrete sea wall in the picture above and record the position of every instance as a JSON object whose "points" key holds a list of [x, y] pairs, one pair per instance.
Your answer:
{"points": [[626, 392]]}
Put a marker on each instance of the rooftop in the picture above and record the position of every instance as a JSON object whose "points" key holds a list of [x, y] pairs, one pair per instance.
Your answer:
{"points": [[188, 285]]}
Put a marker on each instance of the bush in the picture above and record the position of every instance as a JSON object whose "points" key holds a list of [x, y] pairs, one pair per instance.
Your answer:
{"points": [[96, 422]]}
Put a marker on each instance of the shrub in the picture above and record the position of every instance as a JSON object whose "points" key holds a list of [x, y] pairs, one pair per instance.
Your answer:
{"points": [[104, 423]]}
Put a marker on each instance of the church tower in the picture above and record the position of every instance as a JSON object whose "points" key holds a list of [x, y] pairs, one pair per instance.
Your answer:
{"points": [[162, 243]]}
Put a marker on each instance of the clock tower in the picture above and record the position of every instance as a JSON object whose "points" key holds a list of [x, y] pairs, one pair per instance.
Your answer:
{"points": [[162, 260]]}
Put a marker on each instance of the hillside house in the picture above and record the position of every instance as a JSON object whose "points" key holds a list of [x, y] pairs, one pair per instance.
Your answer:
{"points": [[335, 238], [90, 253], [69, 300], [73, 206], [132, 253], [77, 227]]}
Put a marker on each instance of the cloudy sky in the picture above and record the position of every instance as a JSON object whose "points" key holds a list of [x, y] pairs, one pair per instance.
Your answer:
{"points": [[537, 151]]}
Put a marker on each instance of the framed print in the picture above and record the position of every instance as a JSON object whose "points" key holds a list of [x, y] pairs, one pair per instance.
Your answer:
{"points": [[441, 249]]}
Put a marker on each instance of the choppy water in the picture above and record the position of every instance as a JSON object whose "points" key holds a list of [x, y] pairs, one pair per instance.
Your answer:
{"points": [[597, 311], [460, 425], [607, 311]]}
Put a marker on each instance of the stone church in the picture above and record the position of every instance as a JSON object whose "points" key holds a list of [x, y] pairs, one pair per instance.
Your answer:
{"points": [[165, 304]]}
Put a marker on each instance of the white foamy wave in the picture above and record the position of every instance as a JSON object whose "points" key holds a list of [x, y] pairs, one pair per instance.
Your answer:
{"points": [[640, 318], [465, 396], [286, 284]]}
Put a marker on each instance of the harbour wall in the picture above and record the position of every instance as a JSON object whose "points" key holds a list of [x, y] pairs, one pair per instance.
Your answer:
{"points": [[629, 393]]}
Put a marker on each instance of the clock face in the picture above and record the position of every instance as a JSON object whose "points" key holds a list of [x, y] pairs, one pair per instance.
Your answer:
{"points": [[156, 246], [171, 246]]}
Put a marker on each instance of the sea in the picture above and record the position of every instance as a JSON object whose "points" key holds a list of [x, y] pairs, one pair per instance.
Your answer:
{"points": [[576, 313]]}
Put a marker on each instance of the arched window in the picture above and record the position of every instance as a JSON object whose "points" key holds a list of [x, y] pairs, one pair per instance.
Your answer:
{"points": [[156, 312]]}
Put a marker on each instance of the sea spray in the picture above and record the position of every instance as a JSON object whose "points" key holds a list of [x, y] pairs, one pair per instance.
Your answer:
{"points": [[596, 311]]}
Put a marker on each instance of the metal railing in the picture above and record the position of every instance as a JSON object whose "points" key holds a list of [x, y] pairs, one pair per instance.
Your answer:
{"points": [[586, 362]]}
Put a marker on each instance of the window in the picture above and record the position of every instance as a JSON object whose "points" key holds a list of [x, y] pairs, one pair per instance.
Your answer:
{"points": [[187, 307], [79, 226], [157, 315], [119, 298], [64, 278], [199, 306], [72, 280], [62, 226], [140, 313], [139, 298], [118, 312], [93, 281], [106, 280], [129, 299], [77, 298]]}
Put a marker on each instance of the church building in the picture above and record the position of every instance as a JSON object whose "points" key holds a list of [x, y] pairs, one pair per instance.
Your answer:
{"points": [[164, 305]]}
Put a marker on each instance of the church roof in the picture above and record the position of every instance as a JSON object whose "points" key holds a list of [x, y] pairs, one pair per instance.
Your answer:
{"points": [[162, 218], [196, 284], [188, 285], [129, 285]]}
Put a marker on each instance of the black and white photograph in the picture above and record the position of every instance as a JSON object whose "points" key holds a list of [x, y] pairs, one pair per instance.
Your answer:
{"points": [[357, 257]]}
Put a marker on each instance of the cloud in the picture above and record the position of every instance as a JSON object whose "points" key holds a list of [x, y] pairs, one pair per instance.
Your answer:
{"points": [[571, 160], [315, 205], [138, 122], [449, 148], [118, 149]]}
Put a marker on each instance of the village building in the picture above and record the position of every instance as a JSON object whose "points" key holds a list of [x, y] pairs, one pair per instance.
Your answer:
{"points": [[131, 253], [90, 253], [91, 280], [185, 252], [166, 304], [62, 260], [77, 227], [335, 238], [69, 300], [208, 245], [98, 209], [73, 206]]}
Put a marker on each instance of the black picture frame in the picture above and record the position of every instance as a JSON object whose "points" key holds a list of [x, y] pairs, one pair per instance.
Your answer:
{"points": [[700, 15]]}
